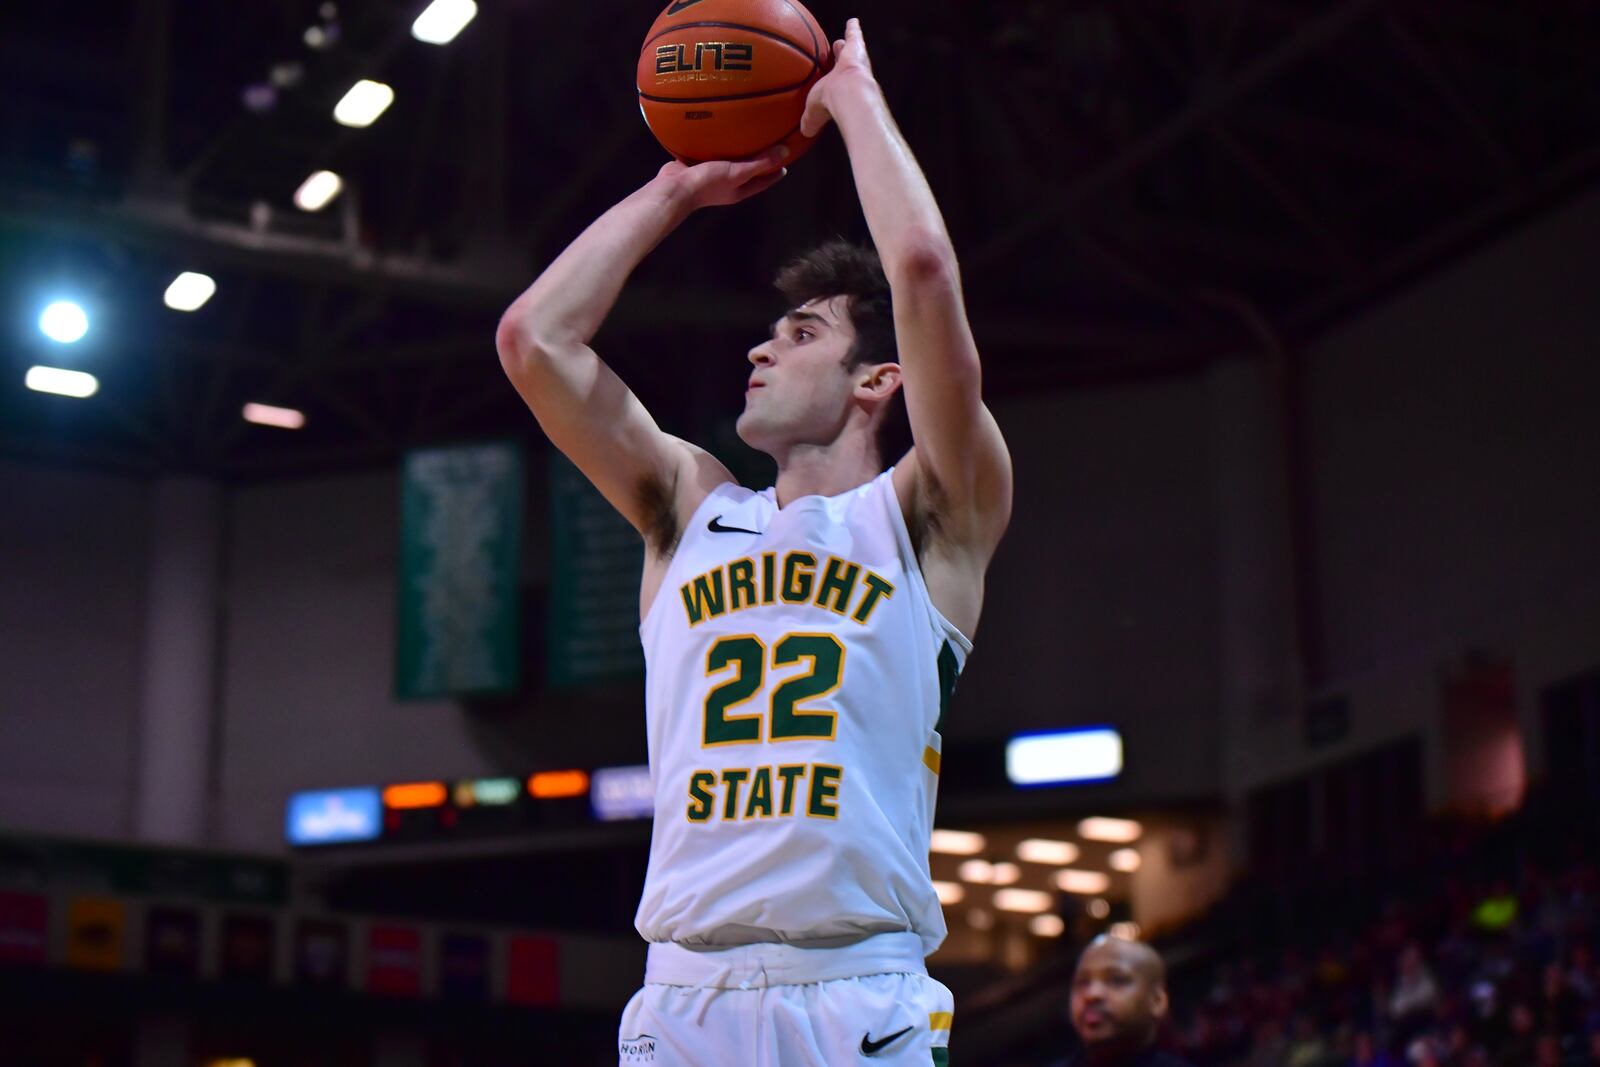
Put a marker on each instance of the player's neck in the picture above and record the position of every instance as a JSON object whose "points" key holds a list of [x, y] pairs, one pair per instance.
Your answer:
{"points": [[826, 470]]}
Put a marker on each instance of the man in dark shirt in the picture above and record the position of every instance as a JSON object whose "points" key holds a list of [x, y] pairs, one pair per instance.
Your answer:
{"points": [[1119, 997]]}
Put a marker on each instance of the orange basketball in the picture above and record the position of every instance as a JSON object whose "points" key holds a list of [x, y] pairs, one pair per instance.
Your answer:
{"points": [[727, 79]]}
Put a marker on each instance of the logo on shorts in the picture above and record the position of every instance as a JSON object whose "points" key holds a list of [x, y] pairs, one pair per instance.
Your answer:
{"points": [[870, 1047], [641, 1049]]}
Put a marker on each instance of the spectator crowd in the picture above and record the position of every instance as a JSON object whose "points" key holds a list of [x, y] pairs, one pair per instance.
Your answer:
{"points": [[1488, 959]]}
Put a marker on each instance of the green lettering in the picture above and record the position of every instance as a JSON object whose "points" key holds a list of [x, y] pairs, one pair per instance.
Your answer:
{"points": [[748, 657], [824, 788], [690, 608], [798, 568], [838, 582], [760, 794], [708, 597], [700, 799], [741, 585], [877, 588], [789, 719], [789, 772], [732, 779]]}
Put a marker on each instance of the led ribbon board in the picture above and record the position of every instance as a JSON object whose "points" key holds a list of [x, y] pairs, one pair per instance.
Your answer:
{"points": [[1092, 754], [622, 793], [334, 816]]}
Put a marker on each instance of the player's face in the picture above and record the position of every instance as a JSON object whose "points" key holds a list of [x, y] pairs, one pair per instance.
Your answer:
{"points": [[1114, 1000], [799, 391]]}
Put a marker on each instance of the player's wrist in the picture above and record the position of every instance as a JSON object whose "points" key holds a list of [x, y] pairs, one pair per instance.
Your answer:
{"points": [[675, 191], [852, 85]]}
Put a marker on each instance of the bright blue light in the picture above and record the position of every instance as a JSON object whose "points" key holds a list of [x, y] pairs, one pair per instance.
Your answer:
{"points": [[1091, 754], [331, 816], [64, 321]]}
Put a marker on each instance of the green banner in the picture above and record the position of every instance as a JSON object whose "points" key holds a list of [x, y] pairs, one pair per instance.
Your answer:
{"points": [[597, 561], [460, 628], [92, 867]]}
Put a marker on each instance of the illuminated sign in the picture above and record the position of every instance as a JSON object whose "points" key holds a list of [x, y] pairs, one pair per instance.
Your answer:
{"points": [[622, 793], [415, 795], [1093, 754], [336, 815], [489, 792], [552, 785]]}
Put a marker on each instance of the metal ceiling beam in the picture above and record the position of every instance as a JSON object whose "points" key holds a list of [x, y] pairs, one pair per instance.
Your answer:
{"points": [[1286, 199], [1226, 246], [1578, 172], [1244, 159], [1317, 35], [1058, 333], [1382, 149], [1427, 64], [1240, 155], [1136, 277], [165, 225], [150, 54]]}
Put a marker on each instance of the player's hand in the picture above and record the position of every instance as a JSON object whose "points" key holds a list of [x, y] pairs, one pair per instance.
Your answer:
{"points": [[850, 63], [723, 182]]}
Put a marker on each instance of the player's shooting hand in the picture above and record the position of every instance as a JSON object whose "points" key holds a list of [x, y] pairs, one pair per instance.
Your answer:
{"points": [[723, 182], [850, 64]]}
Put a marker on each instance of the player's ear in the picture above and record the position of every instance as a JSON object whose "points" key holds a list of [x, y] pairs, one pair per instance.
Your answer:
{"points": [[879, 381]]}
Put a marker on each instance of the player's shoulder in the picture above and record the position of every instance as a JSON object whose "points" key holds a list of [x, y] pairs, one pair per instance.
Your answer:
{"points": [[700, 482]]}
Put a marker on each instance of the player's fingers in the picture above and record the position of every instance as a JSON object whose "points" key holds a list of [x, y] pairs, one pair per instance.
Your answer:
{"points": [[816, 116], [757, 186], [765, 163]]}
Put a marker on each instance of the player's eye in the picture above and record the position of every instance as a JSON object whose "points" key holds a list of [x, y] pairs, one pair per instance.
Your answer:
{"points": [[802, 334]]}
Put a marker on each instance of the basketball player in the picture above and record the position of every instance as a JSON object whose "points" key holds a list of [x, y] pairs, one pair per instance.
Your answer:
{"points": [[801, 640]]}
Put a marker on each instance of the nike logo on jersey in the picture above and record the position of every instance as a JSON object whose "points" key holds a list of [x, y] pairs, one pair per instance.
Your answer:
{"points": [[715, 525], [680, 5], [870, 1047]]}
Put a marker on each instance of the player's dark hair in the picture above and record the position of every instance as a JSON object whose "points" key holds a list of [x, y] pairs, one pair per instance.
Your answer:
{"points": [[839, 268]]}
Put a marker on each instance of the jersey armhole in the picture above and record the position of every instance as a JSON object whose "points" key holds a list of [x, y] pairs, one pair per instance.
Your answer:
{"points": [[694, 522], [902, 537]]}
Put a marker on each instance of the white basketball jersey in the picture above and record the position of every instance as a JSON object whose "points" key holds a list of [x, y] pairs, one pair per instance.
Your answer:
{"points": [[796, 676]]}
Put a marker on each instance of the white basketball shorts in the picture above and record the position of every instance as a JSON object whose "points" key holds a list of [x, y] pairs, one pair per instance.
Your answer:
{"points": [[871, 1004]]}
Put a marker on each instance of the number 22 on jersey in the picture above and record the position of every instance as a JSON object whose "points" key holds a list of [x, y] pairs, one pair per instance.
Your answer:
{"points": [[771, 791]]}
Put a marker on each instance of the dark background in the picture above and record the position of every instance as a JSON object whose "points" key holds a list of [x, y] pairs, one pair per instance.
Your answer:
{"points": [[1287, 312]]}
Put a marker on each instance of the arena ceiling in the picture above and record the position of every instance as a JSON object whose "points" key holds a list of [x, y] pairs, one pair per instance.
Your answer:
{"points": [[1135, 188]]}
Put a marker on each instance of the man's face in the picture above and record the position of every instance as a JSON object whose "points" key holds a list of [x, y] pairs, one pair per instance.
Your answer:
{"points": [[799, 391], [1116, 998]]}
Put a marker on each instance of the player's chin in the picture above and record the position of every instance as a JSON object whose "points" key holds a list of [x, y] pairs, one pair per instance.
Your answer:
{"points": [[748, 426]]}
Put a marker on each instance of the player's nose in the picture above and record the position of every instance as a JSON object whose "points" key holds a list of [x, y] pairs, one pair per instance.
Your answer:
{"points": [[761, 355]]}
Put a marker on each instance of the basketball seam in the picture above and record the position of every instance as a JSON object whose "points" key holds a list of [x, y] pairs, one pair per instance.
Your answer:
{"points": [[796, 45], [816, 49], [722, 99]]}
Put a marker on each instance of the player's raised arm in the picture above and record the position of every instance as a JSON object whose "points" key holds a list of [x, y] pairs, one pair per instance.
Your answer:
{"points": [[959, 458], [584, 408]]}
